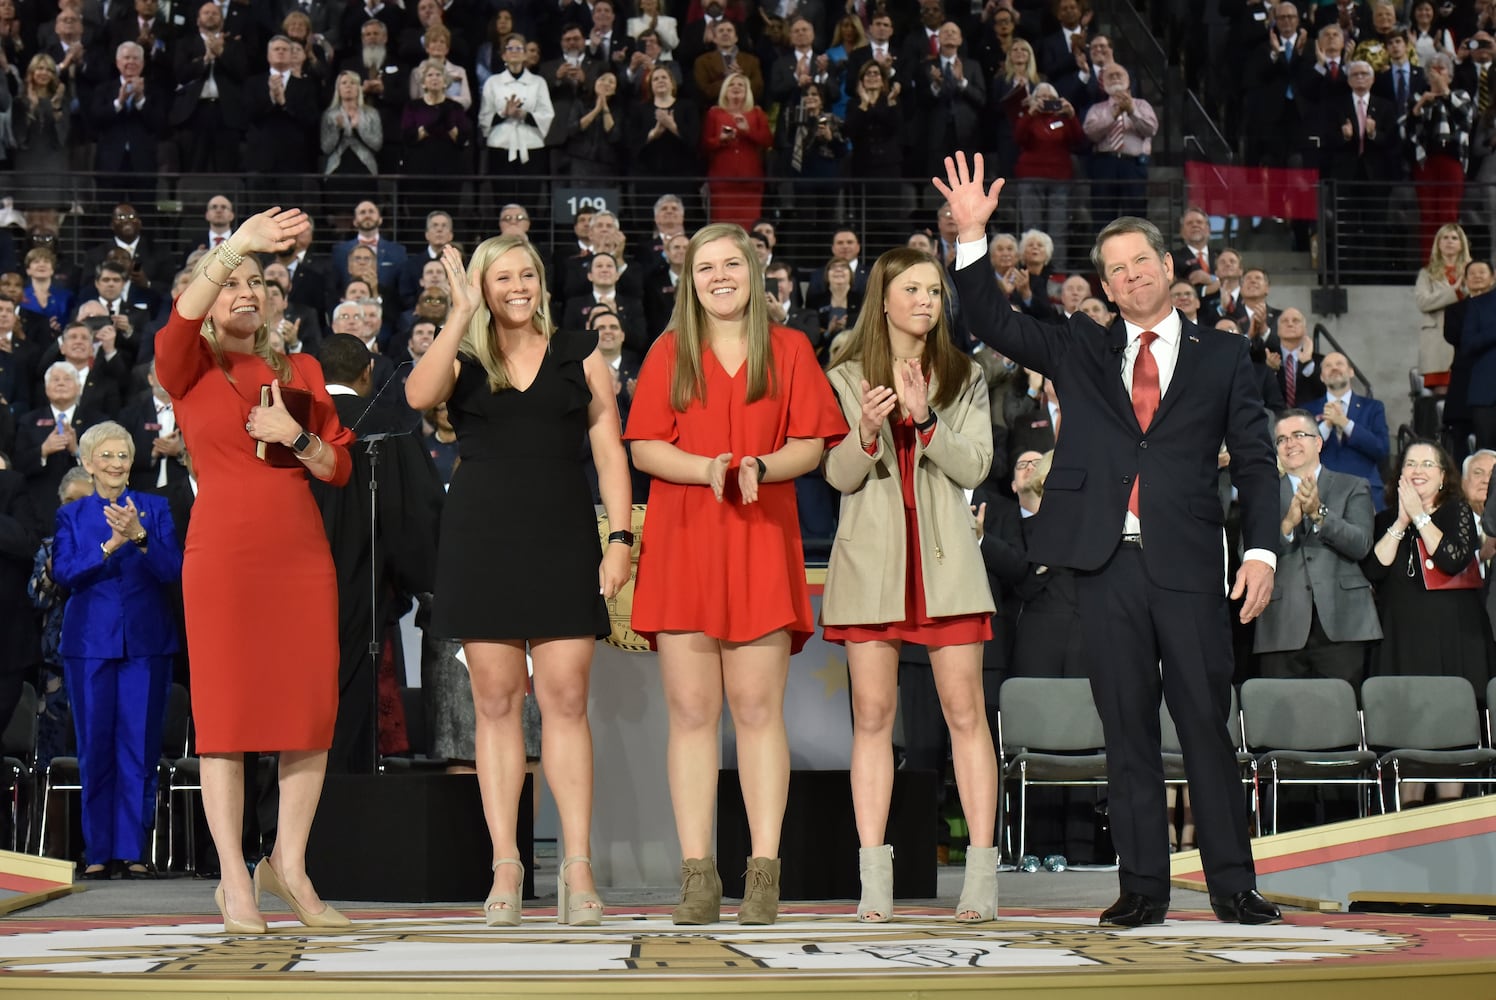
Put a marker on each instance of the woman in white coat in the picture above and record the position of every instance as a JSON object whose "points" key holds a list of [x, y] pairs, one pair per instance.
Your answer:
{"points": [[514, 117]]}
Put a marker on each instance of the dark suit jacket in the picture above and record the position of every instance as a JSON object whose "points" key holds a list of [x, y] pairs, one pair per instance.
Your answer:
{"points": [[1470, 325], [1364, 451], [281, 138], [43, 478], [1307, 385], [1319, 570], [391, 256], [1006, 562], [636, 333], [1353, 159], [135, 128], [1212, 397], [20, 534], [140, 419], [964, 103], [229, 71], [118, 606], [1385, 86]]}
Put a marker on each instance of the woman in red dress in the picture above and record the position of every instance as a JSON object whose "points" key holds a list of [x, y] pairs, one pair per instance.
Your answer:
{"points": [[734, 137], [257, 575], [907, 565], [727, 413]]}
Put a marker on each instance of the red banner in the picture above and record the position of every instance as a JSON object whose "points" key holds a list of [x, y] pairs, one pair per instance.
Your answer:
{"points": [[1277, 192]]}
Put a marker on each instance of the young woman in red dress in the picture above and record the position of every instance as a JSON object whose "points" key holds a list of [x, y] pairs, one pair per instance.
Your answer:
{"points": [[906, 565], [264, 674], [727, 413]]}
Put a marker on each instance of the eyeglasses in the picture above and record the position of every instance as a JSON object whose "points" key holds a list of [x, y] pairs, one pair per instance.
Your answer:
{"points": [[434, 299], [1283, 439], [514, 218], [1026, 463], [105, 456], [514, 48], [124, 216], [1427, 465]]}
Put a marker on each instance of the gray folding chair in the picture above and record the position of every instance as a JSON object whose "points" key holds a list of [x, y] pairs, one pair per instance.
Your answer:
{"points": [[1490, 727], [18, 742], [1049, 734], [1428, 729], [1308, 732], [1246, 763]]}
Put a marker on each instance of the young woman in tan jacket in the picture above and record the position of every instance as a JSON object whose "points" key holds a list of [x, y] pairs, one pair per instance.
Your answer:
{"points": [[906, 564]]}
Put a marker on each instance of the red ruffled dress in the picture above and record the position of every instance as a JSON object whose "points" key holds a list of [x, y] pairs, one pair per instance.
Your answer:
{"points": [[734, 571], [917, 626]]}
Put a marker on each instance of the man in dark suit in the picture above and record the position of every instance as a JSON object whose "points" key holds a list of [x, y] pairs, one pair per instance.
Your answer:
{"points": [[20, 534], [1354, 427], [281, 113], [141, 21], [127, 115], [949, 93], [130, 319], [1060, 53], [1225, 302], [1360, 144], [1401, 82], [390, 256], [81, 61], [783, 297], [409, 501], [661, 284], [569, 78], [880, 47], [438, 235], [46, 446], [1131, 504], [359, 12], [846, 247], [922, 41], [1295, 366], [208, 111], [608, 44], [160, 455], [18, 359], [602, 275], [311, 282], [386, 84], [1322, 614], [1278, 114], [1194, 257]]}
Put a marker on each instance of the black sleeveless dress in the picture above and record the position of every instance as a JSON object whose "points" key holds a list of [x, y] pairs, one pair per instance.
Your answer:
{"points": [[519, 552]]}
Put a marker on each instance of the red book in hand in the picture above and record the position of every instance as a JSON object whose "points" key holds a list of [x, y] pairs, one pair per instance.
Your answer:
{"points": [[298, 403]]}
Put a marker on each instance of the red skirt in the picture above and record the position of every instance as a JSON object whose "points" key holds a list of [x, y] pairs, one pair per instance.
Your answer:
{"points": [[917, 627]]}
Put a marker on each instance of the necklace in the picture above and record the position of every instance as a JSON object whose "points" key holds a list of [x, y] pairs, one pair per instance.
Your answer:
{"points": [[912, 357]]}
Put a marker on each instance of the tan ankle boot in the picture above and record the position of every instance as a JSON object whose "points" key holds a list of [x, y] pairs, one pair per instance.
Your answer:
{"points": [[700, 892], [760, 892]]}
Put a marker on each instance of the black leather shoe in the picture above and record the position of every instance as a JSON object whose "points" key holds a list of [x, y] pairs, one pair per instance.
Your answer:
{"points": [[1246, 908], [1133, 909], [100, 874], [140, 870]]}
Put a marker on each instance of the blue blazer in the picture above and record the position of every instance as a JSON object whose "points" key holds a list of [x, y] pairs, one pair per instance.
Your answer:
{"points": [[119, 606], [1364, 451], [391, 257]]}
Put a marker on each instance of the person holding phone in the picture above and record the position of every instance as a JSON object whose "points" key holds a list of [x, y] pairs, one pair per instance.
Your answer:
{"points": [[733, 138], [263, 678], [1047, 132]]}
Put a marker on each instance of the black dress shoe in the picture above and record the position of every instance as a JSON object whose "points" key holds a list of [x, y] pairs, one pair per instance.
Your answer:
{"points": [[1133, 909], [140, 870], [100, 874], [1246, 907]]}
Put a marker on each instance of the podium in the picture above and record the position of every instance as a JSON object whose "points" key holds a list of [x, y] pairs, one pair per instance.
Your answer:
{"points": [[818, 845], [409, 837]]}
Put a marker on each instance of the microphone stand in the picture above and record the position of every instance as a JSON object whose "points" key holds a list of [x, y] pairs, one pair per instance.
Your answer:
{"points": [[371, 449]]}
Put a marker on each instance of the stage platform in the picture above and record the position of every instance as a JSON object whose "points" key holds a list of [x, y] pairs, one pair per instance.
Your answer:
{"points": [[163, 939]]}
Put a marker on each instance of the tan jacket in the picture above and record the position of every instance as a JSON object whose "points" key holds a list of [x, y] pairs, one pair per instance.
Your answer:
{"points": [[1435, 354], [865, 579]]}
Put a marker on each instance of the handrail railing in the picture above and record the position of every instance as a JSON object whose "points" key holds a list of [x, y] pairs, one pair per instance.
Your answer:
{"points": [[1321, 332]]}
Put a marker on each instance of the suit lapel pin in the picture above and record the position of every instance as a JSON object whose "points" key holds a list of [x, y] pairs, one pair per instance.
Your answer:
{"points": [[1194, 339]]}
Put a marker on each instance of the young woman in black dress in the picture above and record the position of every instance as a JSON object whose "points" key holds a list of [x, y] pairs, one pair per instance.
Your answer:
{"points": [[518, 561]]}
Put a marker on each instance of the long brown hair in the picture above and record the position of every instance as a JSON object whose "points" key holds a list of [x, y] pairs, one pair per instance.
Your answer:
{"points": [[689, 323], [480, 341], [946, 367], [277, 361]]}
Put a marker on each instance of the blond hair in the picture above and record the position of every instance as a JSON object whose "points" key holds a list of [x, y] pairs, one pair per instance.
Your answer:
{"points": [[747, 92], [689, 321], [1436, 261], [480, 341], [277, 361], [1030, 72]]}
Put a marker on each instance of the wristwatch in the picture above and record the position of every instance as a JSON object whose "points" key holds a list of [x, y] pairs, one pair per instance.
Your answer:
{"points": [[1420, 521], [139, 539], [626, 537], [1321, 514], [302, 443]]}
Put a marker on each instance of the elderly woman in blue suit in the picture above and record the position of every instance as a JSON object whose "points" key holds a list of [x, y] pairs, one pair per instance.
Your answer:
{"points": [[117, 552]]}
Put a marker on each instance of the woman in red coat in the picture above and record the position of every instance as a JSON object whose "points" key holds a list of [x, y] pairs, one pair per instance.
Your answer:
{"points": [[734, 138], [264, 668], [1046, 131]]}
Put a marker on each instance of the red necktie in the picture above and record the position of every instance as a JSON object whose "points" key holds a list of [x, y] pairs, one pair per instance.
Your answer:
{"points": [[1144, 397], [217, 240], [934, 46], [1290, 376]]}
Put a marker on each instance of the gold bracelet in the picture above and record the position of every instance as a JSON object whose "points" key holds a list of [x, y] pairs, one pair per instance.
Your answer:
{"points": [[220, 284], [313, 455], [229, 257]]}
